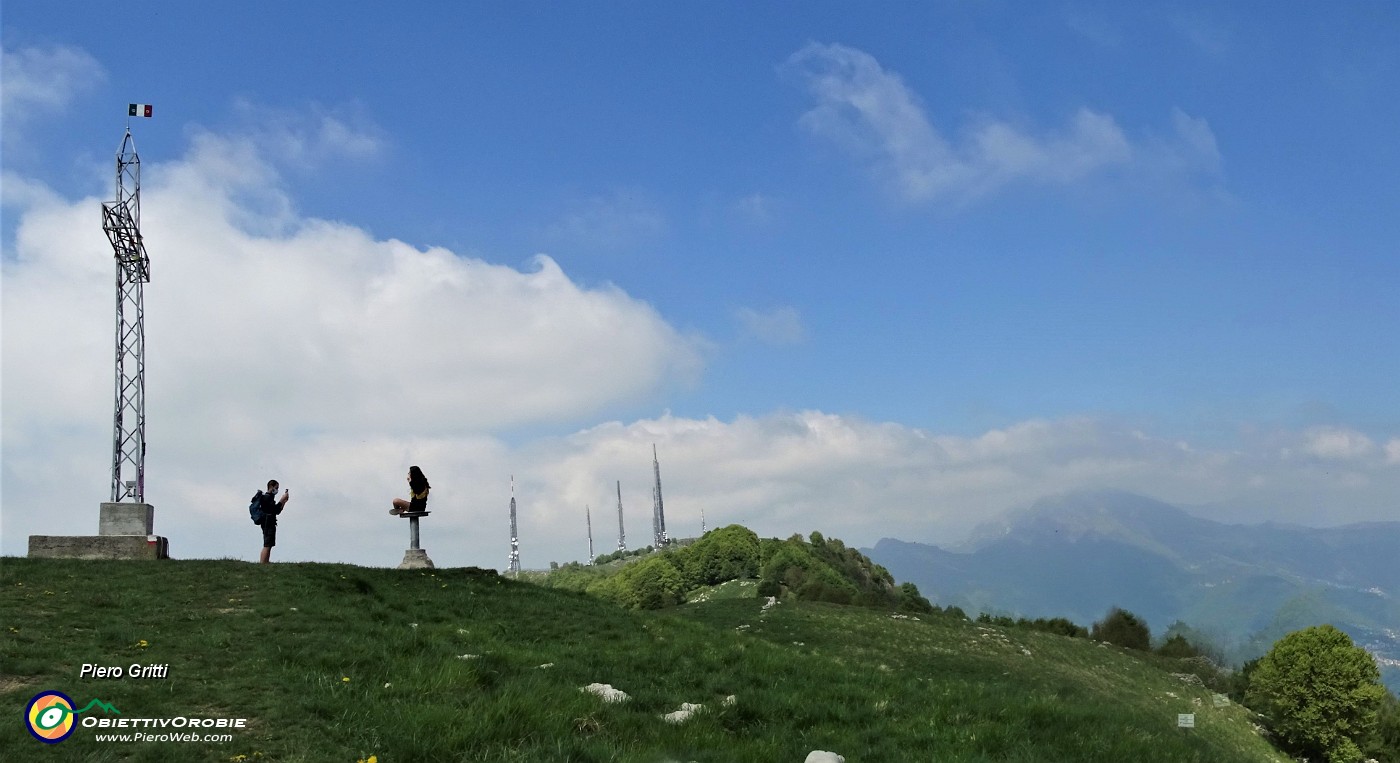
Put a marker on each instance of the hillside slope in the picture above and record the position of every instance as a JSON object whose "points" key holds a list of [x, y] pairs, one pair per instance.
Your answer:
{"points": [[338, 663]]}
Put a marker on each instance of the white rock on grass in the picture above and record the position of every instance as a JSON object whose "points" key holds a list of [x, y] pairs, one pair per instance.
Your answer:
{"points": [[730, 701], [606, 692], [682, 715], [822, 756]]}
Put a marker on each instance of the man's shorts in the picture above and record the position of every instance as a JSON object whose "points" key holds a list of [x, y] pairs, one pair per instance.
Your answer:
{"points": [[269, 528]]}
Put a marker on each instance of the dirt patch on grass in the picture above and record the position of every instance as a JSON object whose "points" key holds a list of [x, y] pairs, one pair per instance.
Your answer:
{"points": [[8, 684]]}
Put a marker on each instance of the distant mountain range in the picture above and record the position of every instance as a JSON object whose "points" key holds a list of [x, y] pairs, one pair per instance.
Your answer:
{"points": [[1241, 587]]}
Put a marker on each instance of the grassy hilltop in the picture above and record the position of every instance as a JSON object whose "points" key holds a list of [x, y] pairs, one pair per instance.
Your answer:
{"points": [[341, 663]]}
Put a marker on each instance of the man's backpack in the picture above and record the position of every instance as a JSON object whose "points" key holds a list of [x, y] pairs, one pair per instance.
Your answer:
{"points": [[255, 508]]}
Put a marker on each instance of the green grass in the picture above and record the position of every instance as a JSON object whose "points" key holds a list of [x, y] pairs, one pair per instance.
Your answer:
{"points": [[273, 644]]}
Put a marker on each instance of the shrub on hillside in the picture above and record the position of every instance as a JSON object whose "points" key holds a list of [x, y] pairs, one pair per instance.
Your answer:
{"points": [[795, 568], [1057, 625], [729, 553], [1124, 629], [1178, 648], [1384, 741], [1203, 643], [1060, 626], [1321, 693], [910, 600], [652, 583]]}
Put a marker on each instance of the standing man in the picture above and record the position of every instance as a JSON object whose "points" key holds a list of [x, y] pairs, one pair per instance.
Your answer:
{"points": [[271, 507]]}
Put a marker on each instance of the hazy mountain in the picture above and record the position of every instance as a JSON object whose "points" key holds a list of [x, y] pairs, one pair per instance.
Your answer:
{"points": [[1242, 586]]}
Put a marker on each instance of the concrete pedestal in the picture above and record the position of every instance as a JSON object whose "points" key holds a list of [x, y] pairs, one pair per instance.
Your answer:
{"points": [[126, 519], [415, 558], [98, 547], [124, 531]]}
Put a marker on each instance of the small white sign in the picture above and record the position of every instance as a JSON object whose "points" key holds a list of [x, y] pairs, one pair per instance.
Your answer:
{"points": [[1186, 720]]}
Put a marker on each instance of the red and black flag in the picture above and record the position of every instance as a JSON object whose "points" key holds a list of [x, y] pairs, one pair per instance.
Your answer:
{"points": [[139, 110]]}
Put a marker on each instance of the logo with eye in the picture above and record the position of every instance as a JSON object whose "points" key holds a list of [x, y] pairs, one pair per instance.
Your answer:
{"points": [[50, 716]]}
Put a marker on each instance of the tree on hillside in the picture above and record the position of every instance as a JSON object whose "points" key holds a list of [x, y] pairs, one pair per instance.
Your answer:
{"points": [[1202, 642], [910, 600], [1178, 647], [1384, 743], [1321, 693], [729, 553], [794, 566], [1124, 629], [652, 583]]}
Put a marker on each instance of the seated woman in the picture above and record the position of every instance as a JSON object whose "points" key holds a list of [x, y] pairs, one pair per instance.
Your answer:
{"points": [[417, 491]]}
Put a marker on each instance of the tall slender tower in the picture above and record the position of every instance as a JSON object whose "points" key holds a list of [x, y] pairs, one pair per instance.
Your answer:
{"points": [[514, 570], [121, 219], [658, 509], [702, 521], [655, 523], [588, 517], [621, 534]]}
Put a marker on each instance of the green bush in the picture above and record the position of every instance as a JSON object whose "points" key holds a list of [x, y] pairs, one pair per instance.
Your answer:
{"points": [[910, 600], [652, 583], [1060, 626], [1321, 693], [730, 553], [1384, 741], [1124, 629], [1178, 648]]}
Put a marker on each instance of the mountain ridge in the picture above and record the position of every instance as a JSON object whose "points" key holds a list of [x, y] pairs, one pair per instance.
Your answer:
{"points": [[1240, 586]]}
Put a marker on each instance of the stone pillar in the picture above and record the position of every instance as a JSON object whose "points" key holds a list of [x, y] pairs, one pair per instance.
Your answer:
{"points": [[415, 558], [126, 519]]}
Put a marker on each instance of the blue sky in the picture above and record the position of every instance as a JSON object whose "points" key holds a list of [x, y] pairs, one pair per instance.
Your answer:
{"points": [[1065, 226]]}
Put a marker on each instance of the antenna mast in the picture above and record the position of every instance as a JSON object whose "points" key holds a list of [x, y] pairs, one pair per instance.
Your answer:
{"points": [[588, 517], [121, 219], [621, 534], [658, 509], [514, 570]]}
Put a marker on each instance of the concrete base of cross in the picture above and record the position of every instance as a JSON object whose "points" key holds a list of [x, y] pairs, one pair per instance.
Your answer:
{"points": [[99, 547], [124, 531], [416, 559]]}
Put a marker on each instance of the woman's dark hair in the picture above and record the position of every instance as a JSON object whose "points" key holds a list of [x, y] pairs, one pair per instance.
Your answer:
{"points": [[416, 480]]}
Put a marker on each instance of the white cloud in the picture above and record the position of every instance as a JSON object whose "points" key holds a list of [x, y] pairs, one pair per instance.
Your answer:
{"points": [[779, 326], [284, 345], [42, 81], [860, 480], [1392, 451], [872, 113], [1337, 444], [310, 137]]}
